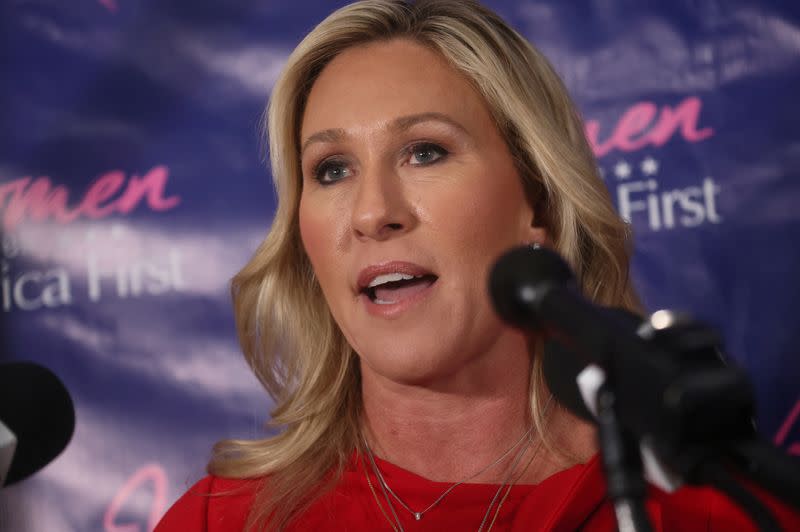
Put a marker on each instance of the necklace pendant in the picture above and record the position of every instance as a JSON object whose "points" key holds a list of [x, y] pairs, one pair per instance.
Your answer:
{"points": [[417, 516]]}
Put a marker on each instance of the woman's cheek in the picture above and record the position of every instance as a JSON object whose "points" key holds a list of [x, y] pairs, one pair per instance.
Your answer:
{"points": [[312, 231], [324, 223]]}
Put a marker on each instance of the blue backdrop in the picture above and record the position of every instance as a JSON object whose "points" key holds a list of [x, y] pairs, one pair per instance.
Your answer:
{"points": [[132, 188]]}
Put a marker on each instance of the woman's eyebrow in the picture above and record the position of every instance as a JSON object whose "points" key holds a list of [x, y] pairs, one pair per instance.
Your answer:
{"points": [[397, 125], [405, 122], [326, 135]]}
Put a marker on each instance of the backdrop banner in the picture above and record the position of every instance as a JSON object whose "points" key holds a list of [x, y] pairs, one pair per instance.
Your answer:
{"points": [[133, 186]]}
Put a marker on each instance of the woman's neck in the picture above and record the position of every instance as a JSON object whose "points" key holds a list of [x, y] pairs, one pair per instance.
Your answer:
{"points": [[449, 432]]}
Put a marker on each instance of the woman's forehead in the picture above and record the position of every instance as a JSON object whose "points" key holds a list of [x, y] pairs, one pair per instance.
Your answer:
{"points": [[367, 87]]}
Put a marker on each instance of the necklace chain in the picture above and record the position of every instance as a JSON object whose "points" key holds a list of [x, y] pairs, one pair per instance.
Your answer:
{"points": [[507, 483], [510, 481], [396, 525], [399, 527], [419, 514]]}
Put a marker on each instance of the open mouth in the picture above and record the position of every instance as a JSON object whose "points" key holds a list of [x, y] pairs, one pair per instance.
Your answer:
{"points": [[392, 288]]}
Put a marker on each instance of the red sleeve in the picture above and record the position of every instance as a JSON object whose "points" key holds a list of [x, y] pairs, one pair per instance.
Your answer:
{"points": [[212, 505], [709, 510], [788, 518], [190, 512]]}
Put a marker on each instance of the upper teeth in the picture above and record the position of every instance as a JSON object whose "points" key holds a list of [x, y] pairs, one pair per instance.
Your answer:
{"points": [[389, 278]]}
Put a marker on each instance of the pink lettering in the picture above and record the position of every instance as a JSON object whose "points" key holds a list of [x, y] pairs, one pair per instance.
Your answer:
{"points": [[39, 200], [12, 189], [634, 122], [685, 115], [783, 431], [153, 473], [643, 125], [101, 190], [152, 184]]}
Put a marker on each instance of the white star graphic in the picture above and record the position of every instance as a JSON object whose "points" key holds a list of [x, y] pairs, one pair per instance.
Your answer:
{"points": [[622, 170], [649, 166]]}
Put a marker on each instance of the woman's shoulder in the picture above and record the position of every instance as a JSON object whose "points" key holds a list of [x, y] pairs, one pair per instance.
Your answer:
{"points": [[709, 509], [584, 505], [213, 504]]}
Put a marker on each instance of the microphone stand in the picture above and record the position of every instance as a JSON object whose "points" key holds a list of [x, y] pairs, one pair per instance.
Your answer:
{"points": [[622, 462], [668, 384], [714, 431]]}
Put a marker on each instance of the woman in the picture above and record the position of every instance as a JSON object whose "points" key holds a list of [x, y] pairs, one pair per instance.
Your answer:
{"points": [[411, 144]]}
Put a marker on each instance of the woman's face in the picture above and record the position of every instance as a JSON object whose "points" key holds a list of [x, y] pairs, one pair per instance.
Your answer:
{"points": [[409, 195]]}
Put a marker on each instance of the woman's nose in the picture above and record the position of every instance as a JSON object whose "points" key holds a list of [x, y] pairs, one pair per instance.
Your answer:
{"points": [[380, 207]]}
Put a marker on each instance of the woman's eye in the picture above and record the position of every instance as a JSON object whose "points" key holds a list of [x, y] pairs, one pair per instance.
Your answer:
{"points": [[422, 154], [329, 172]]}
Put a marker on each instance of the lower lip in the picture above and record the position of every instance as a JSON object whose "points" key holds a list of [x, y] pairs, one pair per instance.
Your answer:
{"points": [[394, 310]]}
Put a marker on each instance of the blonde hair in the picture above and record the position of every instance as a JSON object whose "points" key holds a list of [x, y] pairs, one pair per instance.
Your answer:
{"points": [[287, 333]]}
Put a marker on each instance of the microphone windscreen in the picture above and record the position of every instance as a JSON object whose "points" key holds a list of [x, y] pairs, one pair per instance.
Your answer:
{"points": [[517, 275], [36, 407]]}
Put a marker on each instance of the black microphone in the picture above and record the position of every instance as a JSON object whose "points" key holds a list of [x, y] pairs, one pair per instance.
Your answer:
{"points": [[561, 367], [669, 386], [535, 290], [37, 410]]}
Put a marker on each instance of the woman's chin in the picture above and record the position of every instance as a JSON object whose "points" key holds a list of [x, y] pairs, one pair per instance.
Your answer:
{"points": [[411, 369], [432, 370]]}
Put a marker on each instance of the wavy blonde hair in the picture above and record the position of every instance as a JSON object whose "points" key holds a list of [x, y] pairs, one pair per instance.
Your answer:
{"points": [[287, 333]]}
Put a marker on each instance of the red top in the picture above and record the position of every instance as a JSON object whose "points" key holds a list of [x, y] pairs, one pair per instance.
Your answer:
{"points": [[573, 499]]}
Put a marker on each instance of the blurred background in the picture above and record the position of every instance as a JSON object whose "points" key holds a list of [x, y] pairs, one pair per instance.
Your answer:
{"points": [[132, 187]]}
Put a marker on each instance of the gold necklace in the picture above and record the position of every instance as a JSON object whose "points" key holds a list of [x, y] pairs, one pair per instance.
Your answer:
{"points": [[397, 526], [377, 501], [419, 514], [505, 496], [510, 481]]}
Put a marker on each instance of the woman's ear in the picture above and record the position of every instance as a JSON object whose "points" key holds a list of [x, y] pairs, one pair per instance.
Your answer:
{"points": [[538, 235]]}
